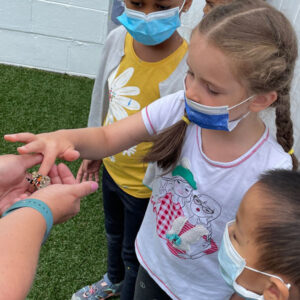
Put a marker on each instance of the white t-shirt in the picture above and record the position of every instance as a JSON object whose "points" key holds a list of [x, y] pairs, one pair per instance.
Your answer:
{"points": [[202, 196]]}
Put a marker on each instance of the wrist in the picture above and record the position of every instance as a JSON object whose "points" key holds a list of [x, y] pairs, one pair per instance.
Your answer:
{"points": [[38, 205]]}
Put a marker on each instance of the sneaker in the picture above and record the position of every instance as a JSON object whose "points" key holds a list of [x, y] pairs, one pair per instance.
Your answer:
{"points": [[100, 290]]}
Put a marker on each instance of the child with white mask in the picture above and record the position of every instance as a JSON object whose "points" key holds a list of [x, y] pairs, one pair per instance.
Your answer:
{"points": [[260, 252], [242, 51]]}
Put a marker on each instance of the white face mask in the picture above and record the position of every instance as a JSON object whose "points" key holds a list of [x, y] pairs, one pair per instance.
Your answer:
{"points": [[232, 265]]}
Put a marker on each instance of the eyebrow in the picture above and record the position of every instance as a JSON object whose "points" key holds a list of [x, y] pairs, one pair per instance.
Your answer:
{"points": [[220, 89]]}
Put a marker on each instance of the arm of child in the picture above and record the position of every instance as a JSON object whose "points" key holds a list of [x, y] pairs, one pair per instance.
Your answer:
{"points": [[89, 143]]}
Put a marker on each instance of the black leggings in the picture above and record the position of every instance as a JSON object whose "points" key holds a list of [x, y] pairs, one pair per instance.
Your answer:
{"points": [[147, 289]]}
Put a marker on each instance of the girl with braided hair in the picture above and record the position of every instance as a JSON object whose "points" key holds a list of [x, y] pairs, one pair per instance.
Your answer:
{"points": [[241, 60]]}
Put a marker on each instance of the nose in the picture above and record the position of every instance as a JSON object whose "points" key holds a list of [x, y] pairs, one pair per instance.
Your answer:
{"points": [[191, 90]]}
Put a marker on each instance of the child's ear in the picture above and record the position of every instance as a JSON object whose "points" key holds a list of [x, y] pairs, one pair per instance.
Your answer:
{"points": [[276, 290], [262, 101], [187, 5]]}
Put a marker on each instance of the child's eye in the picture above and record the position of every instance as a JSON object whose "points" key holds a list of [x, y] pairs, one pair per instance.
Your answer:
{"points": [[136, 4], [162, 7], [212, 91], [189, 72], [234, 236]]}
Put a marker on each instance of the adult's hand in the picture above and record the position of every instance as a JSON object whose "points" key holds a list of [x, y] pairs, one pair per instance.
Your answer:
{"points": [[13, 173], [22, 231], [63, 195]]}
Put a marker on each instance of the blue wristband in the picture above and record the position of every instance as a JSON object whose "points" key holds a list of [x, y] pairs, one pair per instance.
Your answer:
{"points": [[40, 206]]}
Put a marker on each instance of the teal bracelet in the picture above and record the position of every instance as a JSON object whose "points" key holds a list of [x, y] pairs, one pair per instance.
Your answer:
{"points": [[40, 206]]}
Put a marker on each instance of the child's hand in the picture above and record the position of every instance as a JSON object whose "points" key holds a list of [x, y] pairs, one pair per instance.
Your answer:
{"points": [[52, 145], [89, 170]]}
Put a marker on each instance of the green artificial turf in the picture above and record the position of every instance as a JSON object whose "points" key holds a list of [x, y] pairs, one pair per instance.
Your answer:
{"points": [[37, 101]]}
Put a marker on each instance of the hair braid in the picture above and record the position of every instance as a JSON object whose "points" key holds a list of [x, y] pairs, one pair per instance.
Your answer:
{"points": [[284, 126]]}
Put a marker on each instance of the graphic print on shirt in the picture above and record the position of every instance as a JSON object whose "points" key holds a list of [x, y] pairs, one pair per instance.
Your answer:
{"points": [[174, 193], [119, 100], [184, 215]]}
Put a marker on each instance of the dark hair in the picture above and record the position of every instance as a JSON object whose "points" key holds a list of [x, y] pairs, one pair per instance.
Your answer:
{"points": [[278, 227], [262, 45]]}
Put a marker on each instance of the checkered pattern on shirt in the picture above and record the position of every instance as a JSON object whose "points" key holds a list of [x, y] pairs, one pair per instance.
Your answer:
{"points": [[166, 214]]}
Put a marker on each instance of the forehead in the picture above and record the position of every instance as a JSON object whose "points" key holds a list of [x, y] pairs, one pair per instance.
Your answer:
{"points": [[210, 63], [250, 207]]}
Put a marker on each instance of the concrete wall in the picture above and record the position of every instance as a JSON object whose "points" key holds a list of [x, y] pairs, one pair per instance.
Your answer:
{"points": [[55, 35], [59, 35], [67, 36]]}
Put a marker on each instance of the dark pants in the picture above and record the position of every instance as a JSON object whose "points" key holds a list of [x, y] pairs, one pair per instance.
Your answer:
{"points": [[147, 289], [123, 218]]}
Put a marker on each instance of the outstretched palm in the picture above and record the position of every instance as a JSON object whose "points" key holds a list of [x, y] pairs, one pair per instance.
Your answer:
{"points": [[13, 173]]}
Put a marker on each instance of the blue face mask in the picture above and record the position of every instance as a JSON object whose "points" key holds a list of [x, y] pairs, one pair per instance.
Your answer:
{"points": [[232, 265], [212, 117], [151, 29]]}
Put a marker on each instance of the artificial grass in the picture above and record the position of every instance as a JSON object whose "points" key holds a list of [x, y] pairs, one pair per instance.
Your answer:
{"points": [[38, 101]]}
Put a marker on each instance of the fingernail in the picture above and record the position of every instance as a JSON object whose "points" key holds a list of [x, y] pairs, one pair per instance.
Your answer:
{"points": [[94, 186]]}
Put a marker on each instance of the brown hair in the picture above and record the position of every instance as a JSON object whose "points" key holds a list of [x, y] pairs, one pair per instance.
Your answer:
{"points": [[278, 226], [262, 45]]}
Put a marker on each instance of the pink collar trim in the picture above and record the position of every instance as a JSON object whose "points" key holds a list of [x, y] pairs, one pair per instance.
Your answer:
{"points": [[239, 160]]}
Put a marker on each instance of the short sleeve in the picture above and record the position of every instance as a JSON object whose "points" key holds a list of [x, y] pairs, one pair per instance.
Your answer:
{"points": [[163, 112]]}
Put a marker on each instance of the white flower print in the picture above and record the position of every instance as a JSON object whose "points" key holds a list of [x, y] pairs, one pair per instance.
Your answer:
{"points": [[119, 96], [112, 158], [130, 151]]}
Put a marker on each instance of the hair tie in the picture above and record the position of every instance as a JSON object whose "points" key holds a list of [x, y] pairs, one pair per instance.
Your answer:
{"points": [[291, 152], [186, 120]]}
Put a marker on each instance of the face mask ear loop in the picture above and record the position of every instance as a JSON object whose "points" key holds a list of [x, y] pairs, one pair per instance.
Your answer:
{"points": [[269, 275], [232, 107], [181, 8]]}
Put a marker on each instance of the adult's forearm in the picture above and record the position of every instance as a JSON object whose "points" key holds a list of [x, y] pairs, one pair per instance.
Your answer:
{"points": [[21, 235]]}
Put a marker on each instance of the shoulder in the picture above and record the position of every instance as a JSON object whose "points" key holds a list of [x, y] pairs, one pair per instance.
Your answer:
{"points": [[163, 112], [277, 157], [116, 36]]}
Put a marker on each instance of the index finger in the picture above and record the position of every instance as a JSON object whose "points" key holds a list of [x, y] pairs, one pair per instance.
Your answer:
{"points": [[23, 137], [47, 163]]}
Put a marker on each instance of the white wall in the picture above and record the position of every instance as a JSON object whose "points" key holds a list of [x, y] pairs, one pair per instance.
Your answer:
{"points": [[56, 35], [67, 36]]}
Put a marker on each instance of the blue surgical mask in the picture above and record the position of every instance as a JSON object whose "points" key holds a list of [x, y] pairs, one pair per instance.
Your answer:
{"points": [[212, 117], [151, 29], [232, 265]]}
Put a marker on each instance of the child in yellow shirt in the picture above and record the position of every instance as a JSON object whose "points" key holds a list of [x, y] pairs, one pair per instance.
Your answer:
{"points": [[142, 61]]}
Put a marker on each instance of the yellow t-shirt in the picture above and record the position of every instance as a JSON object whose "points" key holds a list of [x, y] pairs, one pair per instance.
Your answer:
{"points": [[132, 86]]}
